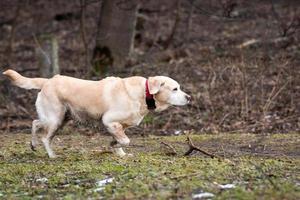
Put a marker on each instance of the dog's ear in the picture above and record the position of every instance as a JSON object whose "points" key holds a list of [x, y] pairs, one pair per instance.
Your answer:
{"points": [[154, 85]]}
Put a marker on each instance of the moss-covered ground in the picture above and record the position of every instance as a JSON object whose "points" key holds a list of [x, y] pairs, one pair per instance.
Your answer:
{"points": [[261, 167]]}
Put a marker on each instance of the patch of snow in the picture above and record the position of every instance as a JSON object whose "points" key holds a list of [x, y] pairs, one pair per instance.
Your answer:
{"points": [[99, 189], [177, 132], [102, 183], [77, 181], [42, 180], [268, 116], [226, 186], [202, 195]]}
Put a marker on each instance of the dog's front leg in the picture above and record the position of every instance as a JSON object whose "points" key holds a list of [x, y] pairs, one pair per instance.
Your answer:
{"points": [[111, 121], [120, 138]]}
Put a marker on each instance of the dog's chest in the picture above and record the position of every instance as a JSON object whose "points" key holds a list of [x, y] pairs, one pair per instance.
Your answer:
{"points": [[136, 116], [134, 119]]}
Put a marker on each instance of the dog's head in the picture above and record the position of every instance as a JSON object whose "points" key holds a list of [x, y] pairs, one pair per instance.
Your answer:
{"points": [[166, 92]]}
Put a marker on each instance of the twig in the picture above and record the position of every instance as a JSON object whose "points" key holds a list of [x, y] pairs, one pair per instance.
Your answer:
{"points": [[245, 90], [167, 125], [41, 49], [273, 97], [194, 148], [224, 118], [170, 147], [253, 42]]}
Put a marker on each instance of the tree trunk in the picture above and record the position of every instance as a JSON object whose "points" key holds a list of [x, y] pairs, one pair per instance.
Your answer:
{"points": [[47, 55], [116, 29]]}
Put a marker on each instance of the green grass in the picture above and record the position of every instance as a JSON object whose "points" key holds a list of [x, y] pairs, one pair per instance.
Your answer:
{"points": [[151, 173]]}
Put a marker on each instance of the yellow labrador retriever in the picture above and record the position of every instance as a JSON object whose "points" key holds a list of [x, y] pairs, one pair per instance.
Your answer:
{"points": [[120, 102]]}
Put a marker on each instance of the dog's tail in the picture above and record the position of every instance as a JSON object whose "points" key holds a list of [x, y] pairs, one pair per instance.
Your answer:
{"points": [[24, 82]]}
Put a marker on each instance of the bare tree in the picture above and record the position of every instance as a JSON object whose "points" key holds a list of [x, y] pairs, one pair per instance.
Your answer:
{"points": [[116, 29]]}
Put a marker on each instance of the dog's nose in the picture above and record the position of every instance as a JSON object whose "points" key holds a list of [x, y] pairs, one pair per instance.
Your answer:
{"points": [[188, 97]]}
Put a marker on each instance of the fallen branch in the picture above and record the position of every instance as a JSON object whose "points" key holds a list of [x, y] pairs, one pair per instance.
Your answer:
{"points": [[195, 148], [173, 151], [253, 42]]}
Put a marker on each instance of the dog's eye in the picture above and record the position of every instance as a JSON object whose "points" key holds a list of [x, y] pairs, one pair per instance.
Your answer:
{"points": [[175, 89]]}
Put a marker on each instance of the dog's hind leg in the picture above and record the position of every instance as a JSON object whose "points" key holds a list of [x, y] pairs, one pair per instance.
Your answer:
{"points": [[54, 122], [36, 125], [51, 113], [48, 139]]}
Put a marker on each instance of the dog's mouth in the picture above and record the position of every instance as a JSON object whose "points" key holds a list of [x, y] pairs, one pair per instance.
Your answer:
{"points": [[180, 100], [183, 103]]}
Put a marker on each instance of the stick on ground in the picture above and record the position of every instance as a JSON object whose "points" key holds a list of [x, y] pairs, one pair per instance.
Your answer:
{"points": [[195, 148]]}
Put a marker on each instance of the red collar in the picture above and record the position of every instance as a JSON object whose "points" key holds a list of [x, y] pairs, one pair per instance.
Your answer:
{"points": [[148, 95], [150, 101]]}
